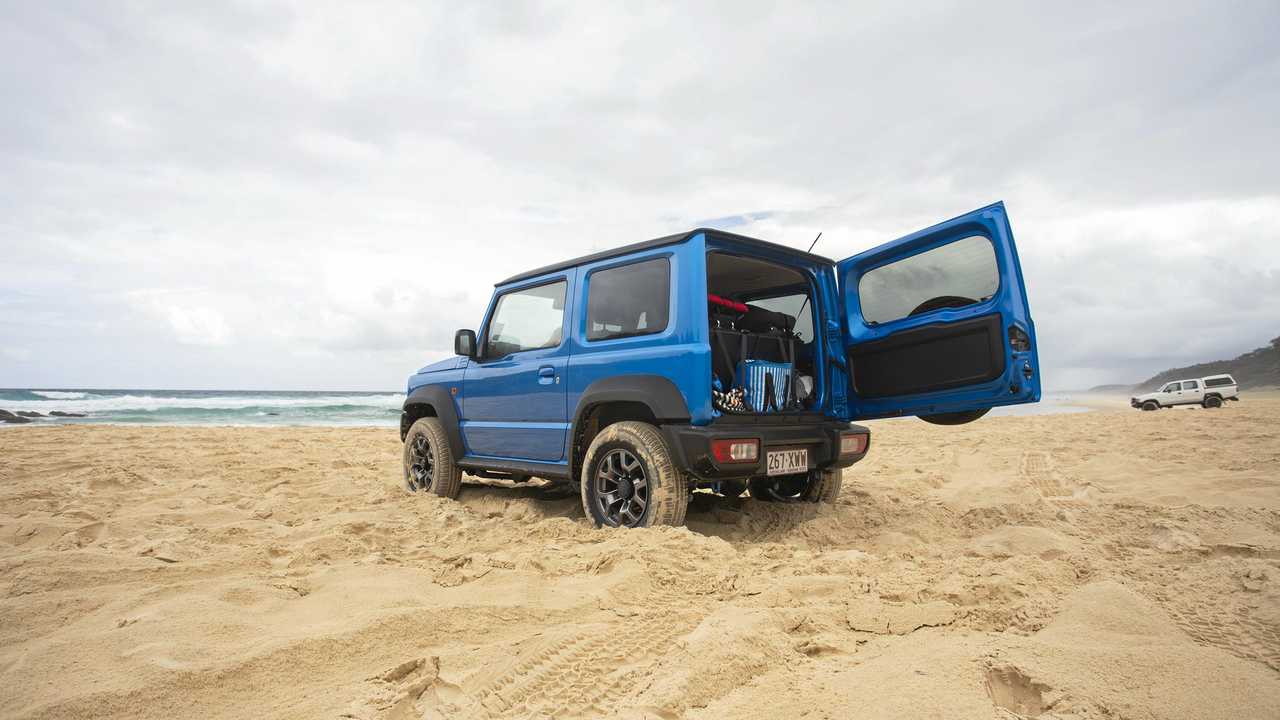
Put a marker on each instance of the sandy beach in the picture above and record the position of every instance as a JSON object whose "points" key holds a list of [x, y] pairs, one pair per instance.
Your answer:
{"points": [[1111, 564]]}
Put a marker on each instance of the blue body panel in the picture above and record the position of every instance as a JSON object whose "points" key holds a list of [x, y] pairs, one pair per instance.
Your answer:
{"points": [[522, 407], [447, 372], [679, 353], [514, 407], [1010, 301]]}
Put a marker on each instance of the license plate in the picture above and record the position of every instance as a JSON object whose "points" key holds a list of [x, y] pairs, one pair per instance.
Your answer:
{"points": [[786, 462]]}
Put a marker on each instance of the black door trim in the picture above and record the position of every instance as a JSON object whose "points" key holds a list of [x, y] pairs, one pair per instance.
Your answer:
{"points": [[930, 358]]}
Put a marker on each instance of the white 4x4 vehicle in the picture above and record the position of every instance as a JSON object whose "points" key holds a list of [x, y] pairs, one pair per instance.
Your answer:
{"points": [[1208, 392]]}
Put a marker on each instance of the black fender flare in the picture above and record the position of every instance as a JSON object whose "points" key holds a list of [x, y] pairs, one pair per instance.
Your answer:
{"points": [[438, 397], [656, 392]]}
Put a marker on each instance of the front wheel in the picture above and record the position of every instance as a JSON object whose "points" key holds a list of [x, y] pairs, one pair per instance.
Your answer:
{"points": [[428, 460], [629, 480], [1150, 405]]}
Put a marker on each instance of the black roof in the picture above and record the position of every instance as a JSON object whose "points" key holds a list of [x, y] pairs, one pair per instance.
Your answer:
{"points": [[659, 242]]}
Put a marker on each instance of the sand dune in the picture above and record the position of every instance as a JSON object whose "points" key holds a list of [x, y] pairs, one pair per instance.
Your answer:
{"points": [[1098, 565]]}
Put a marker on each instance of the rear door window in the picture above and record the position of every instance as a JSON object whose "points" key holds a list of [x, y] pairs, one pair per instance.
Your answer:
{"points": [[959, 273], [1190, 385]]}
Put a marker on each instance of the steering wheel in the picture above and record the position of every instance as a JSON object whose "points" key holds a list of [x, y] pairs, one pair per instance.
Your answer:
{"points": [[942, 301]]}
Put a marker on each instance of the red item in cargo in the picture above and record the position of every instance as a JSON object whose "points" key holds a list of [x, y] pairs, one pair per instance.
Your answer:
{"points": [[726, 303]]}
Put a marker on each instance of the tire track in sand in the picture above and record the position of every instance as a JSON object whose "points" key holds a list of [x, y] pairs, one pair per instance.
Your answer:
{"points": [[1039, 470]]}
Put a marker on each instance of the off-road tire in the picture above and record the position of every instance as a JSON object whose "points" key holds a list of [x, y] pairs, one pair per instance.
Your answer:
{"points": [[1150, 405], [668, 488], [733, 488], [446, 476], [822, 486], [1213, 401]]}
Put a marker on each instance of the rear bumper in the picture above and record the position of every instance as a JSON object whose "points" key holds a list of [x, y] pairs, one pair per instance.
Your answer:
{"points": [[690, 446]]}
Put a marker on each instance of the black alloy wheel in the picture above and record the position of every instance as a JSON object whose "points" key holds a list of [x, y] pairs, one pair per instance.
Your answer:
{"points": [[621, 489], [422, 462]]}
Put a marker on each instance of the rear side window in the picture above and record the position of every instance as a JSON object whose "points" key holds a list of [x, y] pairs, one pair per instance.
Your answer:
{"points": [[959, 273], [1190, 385], [629, 300], [1219, 382]]}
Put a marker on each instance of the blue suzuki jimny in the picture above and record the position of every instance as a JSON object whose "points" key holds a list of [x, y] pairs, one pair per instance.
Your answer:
{"points": [[711, 360]]}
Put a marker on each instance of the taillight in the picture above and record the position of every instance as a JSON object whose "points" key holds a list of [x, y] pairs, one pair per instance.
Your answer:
{"points": [[735, 451], [853, 443]]}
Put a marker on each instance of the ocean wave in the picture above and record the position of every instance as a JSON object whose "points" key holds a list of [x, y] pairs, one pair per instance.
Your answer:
{"points": [[60, 394], [117, 404]]}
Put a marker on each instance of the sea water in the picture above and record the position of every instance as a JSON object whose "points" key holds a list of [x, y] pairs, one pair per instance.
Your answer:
{"points": [[209, 407], [258, 407]]}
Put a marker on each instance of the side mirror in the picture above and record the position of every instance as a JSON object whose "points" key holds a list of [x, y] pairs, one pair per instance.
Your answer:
{"points": [[464, 343]]}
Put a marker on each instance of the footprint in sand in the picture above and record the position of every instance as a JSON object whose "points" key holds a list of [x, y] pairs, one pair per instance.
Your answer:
{"points": [[1012, 690]]}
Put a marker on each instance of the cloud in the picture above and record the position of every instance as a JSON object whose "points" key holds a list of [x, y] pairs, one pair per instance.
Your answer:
{"points": [[325, 192], [198, 326], [187, 317]]}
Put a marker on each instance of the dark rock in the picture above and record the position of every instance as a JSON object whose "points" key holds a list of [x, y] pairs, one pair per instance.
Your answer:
{"points": [[59, 413], [273, 413], [8, 417], [29, 413]]}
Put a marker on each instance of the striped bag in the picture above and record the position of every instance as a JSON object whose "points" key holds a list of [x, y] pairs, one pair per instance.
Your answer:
{"points": [[767, 384]]}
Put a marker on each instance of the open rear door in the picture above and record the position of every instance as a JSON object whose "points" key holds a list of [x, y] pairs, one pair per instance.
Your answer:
{"points": [[937, 323]]}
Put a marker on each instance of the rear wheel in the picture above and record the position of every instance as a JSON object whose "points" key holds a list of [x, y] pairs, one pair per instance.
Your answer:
{"points": [[816, 486], [1213, 401], [824, 487], [1150, 405], [629, 480], [428, 460], [733, 488]]}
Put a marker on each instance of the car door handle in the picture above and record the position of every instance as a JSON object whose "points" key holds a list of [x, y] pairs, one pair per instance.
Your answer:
{"points": [[546, 371]]}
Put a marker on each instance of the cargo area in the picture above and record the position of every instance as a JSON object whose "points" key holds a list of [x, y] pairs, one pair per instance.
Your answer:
{"points": [[760, 321]]}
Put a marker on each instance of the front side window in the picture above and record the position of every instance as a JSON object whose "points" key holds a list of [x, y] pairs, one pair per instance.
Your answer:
{"points": [[526, 320], [629, 300], [959, 273], [1173, 387]]}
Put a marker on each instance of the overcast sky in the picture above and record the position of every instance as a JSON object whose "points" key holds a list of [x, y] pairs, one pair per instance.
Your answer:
{"points": [[315, 196]]}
